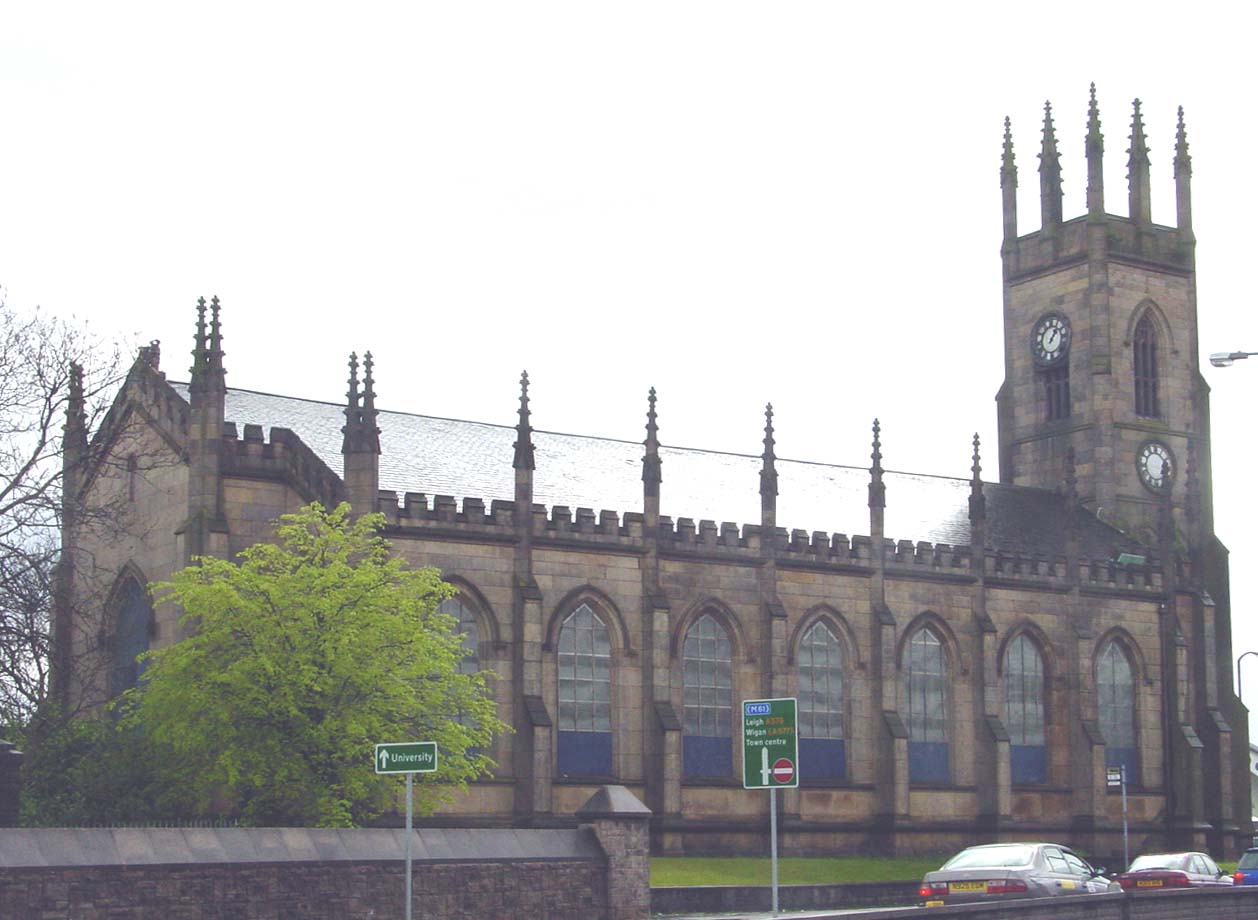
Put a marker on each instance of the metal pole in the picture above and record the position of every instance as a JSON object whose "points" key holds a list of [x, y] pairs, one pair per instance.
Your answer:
{"points": [[409, 800], [773, 842], [1126, 850], [1239, 694]]}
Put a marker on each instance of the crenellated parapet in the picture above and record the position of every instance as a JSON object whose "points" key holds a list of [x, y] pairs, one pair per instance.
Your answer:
{"points": [[285, 458], [416, 515], [1163, 246]]}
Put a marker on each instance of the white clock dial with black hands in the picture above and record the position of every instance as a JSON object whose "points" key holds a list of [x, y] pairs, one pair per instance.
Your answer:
{"points": [[1156, 466], [1050, 339]]}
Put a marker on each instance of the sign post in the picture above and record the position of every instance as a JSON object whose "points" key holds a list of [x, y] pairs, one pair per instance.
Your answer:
{"points": [[1116, 777], [771, 760], [409, 758]]}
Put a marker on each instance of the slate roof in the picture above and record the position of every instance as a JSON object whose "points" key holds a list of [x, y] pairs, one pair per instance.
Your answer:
{"points": [[441, 456]]}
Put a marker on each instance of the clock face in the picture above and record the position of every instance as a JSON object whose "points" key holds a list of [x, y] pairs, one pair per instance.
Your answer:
{"points": [[1156, 466], [1050, 339]]}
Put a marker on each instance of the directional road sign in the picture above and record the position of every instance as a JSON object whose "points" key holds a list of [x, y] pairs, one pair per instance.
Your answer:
{"points": [[410, 757], [770, 744]]}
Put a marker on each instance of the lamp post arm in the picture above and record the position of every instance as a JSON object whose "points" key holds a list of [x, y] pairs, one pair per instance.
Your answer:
{"points": [[1239, 659]]}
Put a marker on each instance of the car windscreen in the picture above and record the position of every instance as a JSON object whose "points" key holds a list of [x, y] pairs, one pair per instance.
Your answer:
{"points": [[1248, 860], [1160, 861], [991, 858]]}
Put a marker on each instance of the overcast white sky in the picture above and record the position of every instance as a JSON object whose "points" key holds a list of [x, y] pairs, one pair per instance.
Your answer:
{"points": [[732, 202]]}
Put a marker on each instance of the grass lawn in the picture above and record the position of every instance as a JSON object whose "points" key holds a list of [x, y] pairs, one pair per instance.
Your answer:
{"points": [[669, 871]]}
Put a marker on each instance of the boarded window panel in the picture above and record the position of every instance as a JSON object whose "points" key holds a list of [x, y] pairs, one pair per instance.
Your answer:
{"points": [[585, 753]]}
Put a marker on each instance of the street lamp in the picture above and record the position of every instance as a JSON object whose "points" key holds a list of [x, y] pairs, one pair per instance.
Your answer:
{"points": [[1243, 656], [1225, 358]]}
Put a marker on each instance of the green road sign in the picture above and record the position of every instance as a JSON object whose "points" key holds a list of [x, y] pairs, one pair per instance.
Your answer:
{"points": [[770, 744], [411, 757]]}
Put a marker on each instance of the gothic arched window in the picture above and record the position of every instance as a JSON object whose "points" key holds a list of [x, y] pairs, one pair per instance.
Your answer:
{"points": [[1024, 711], [1116, 708], [459, 608], [707, 745], [1145, 357], [821, 705], [1057, 391], [585, 695], [926, 686], [131, 636]]}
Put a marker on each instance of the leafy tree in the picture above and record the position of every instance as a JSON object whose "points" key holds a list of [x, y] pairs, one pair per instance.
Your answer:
{"points": [[297, 659], [89, 771], [39, 355]]}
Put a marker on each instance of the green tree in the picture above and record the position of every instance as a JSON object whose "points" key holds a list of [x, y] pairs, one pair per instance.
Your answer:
{"points": [[297, 659]]}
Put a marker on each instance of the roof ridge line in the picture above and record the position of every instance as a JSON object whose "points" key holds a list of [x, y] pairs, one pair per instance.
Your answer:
{"points": [[595, 437]]}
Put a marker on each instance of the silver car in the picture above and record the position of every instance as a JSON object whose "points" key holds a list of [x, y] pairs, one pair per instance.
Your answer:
{"points": [[1003, 871]]}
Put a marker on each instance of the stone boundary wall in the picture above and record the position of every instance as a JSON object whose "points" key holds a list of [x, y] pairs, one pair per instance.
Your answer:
{"points": [[1217, 904], [326, 874], [710, 899]]}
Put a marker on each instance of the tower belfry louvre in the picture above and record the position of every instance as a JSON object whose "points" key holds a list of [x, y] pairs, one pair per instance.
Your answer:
{"points": [[969, 657]]}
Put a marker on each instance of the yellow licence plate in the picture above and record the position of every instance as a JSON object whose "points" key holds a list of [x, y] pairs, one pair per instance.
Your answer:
{"points": [[1148, 883], [934, 903], [967, 886]]}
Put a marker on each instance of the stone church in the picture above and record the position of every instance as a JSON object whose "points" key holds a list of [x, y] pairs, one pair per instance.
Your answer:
{"points": [[969, 656]]}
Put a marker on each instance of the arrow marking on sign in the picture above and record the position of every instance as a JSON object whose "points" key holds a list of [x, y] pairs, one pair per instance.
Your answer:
{"points": [[764, 765], [384, 758]]}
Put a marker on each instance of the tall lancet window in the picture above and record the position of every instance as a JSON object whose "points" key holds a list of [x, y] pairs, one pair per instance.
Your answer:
{"points": [[821, 705], [707, 745], [1024, 711], [131, 636], [1057, 392], [1116, 708], [461, 610], [585, 695], [926, 686], [1145, 348]]}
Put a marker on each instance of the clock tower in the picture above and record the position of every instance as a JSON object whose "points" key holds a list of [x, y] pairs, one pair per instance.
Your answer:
{"points": [[1100, 317]]}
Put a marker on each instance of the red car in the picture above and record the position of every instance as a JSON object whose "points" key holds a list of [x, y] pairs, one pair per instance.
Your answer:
{"points": [[1173, 870]]}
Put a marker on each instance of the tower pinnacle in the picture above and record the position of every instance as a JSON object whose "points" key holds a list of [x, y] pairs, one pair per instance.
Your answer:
{"points": [[1095, 149], [1050, 174], [1009, 186], [1138, 171], [524, 432]]}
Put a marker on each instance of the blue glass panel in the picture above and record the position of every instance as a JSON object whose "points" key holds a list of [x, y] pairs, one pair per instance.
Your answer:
{"points": [[585, 753], [822, 758], [1028, 763], [928, 762], [1123, 757], [704, 757]]}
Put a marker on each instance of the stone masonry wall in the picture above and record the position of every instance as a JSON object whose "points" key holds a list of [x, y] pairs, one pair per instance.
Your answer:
{"points": [[311, 891]]}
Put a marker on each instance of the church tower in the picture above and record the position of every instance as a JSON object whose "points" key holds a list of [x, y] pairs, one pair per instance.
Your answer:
{"points": [[1100, 319]]}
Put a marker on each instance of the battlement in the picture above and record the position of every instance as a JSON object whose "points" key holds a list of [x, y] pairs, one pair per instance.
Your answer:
{"points": [[284, 457], [418, 515], [1069, 242]]}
